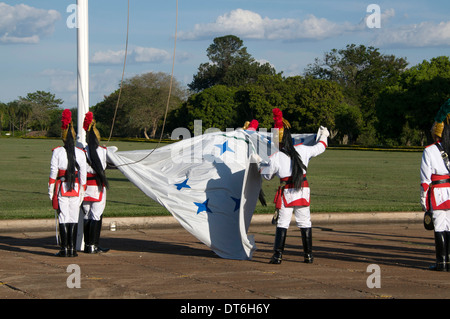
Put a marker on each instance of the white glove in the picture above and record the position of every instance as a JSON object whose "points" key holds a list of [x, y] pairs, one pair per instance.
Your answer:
{"points": [[322, 134], [423, 199], [51, 190]]}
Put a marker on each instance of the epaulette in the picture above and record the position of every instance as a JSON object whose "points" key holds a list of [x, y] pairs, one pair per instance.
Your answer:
{"points": [[430, 145]]}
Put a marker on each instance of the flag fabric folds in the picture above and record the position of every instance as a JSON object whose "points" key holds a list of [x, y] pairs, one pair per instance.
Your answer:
{"points": [[210, 183]]}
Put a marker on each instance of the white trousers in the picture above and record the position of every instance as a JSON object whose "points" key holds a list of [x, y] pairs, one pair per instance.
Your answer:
{"points": [[302, 216], [94, 210], [69, 209], [441, 220]]}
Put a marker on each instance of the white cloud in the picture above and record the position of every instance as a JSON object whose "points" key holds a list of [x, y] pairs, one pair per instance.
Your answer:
{"points": [[25, 24], [6, 38], [108, 57], [104, 82], [425, 34], [61, 80], [387, 15], [152, 55], [251, 25], [137, 55], [64, 83], [264, 61]]}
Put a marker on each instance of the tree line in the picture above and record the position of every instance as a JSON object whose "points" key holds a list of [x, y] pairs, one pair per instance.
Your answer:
{"points": [[363, 96], [38, 111]]}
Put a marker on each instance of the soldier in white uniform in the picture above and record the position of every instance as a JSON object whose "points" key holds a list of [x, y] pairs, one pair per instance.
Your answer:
{"points": [[67, 182], [293, 196], [435, 186], [95, 198]]}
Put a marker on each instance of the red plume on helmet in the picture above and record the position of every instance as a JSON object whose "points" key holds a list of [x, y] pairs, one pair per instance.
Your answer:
{"points": [[66, 119], [278, 118], [88, 120], [253, 125], [280, 123]]}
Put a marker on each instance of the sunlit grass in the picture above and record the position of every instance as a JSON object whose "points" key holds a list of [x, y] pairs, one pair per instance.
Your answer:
{"points": [[340, 180]]}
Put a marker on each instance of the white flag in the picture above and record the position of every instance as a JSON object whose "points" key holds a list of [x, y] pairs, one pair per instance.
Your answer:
{"points": [[209, 183]]}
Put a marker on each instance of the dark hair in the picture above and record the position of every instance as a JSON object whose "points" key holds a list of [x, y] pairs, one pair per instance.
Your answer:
{"points": [[287, 147], [95, 162], [69, 145], [445, 139]]}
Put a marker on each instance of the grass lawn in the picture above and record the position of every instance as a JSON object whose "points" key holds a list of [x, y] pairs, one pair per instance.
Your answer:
{"points": [[340, 181]]}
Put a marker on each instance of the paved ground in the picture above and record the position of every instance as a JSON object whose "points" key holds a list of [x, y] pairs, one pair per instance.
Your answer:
{"points": [[166, 262]]}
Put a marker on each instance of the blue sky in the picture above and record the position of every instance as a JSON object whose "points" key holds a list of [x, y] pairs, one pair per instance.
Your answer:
{"points": [[38, 50]]}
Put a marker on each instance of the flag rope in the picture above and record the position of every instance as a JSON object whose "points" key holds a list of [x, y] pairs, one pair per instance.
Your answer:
{"points": [[123, 73], [170, 86]]}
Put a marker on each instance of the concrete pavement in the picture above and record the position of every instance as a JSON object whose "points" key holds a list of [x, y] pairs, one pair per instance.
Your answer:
{"points": [[370, 256]]}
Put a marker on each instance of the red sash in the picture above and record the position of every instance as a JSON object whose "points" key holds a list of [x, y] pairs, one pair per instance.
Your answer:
{"points": [[58, 188], [286, 182], [438, 181], [92, 182]]}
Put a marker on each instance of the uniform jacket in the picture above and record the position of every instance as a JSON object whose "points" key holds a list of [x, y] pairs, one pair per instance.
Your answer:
{"points": [[280, 165], [435, 179], [58, 166]]}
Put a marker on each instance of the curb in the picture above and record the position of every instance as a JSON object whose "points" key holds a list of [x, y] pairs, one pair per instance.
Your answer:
{"points": [[113, 223]]}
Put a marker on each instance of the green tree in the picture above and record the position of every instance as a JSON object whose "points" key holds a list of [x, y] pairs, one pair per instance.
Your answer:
{"points": [[142, 105], [230, 64], [55, 120], [406, 110], [148, 95], [362, 72], [316, 102], [24, 113], [215, 107], [256, 101], [12, 108], [349, 123], [37, 108], [3, 114], [306, 103]]}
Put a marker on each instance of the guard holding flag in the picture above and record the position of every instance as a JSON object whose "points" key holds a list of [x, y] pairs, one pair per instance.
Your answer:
{"points": [[95, 198], [66, 186], [293, 195]]}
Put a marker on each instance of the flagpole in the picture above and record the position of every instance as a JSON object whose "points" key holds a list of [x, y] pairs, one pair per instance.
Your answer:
{"points": [[83, 68], [83, 90]]}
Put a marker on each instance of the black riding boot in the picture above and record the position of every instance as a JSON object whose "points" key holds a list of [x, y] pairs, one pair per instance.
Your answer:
{"points": [[447, 244], [307, 244], [441, 252], [91, 234], [278, 246], [72, 235], [87, 241], [63, 240], [97, 237], [94, 237]]}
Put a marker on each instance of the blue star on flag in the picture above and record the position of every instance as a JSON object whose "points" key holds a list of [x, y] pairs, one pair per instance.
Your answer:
{"points": [[224, 147], [237, 202], [183, 185], [203, 207]]}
